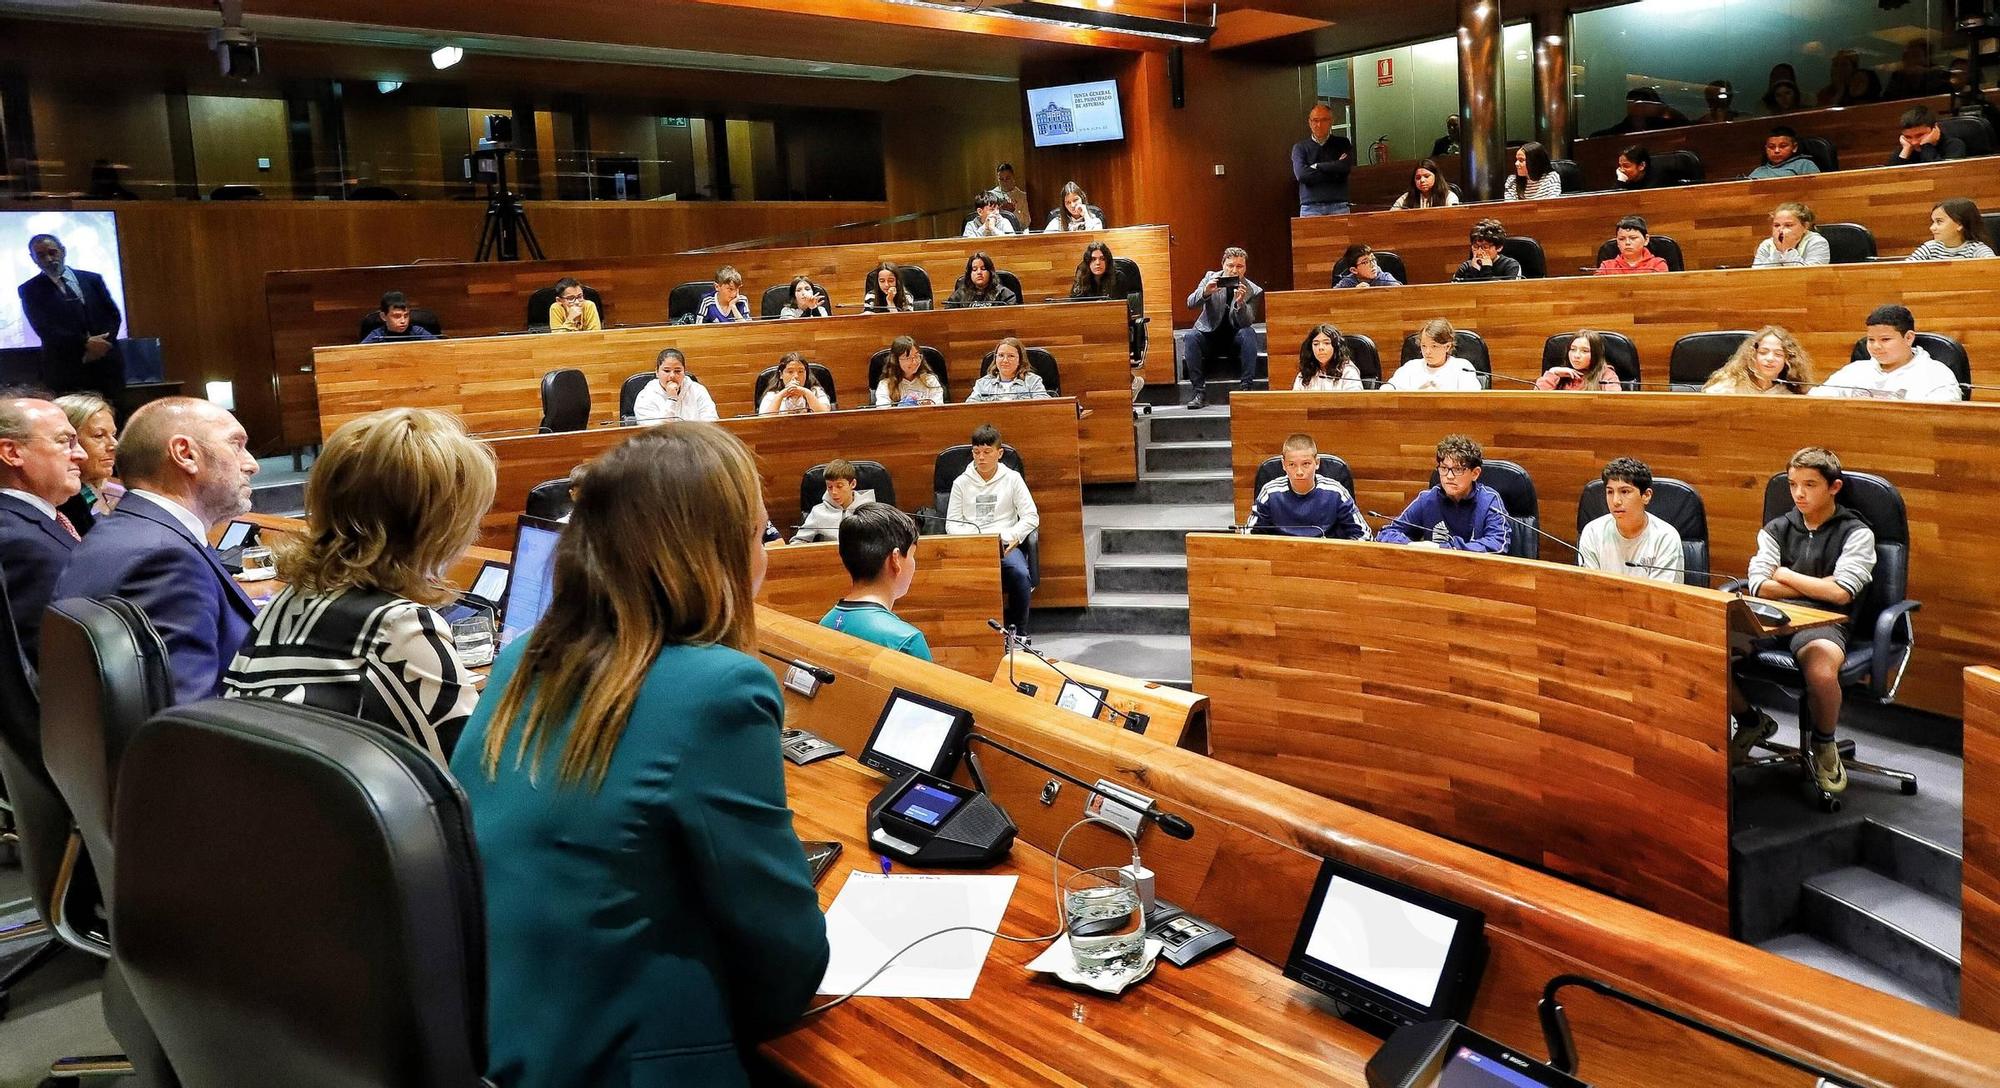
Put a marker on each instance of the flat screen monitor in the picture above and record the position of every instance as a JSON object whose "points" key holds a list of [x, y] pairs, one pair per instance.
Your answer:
{"points": [[235, 535], [91, 241], [531, 582], [1391, 953], [1077, 113], [1084, 699], [916, 733], [491, 584]]}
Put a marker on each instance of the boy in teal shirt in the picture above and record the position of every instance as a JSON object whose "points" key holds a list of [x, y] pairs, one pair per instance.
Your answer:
{"points": [[878, 546]]}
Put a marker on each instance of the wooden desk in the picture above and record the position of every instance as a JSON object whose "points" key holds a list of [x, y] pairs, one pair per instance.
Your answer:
{"points": [[494, 383], [905, 440], [1172, 716], [1824, 308], [1250, 867], [314, 307], [1979, 943], [1553, 714], [957, 587], [1717, 224], [1725, 447]]}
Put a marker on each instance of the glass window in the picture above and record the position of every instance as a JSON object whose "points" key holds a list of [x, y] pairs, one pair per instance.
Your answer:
{"points": [[1401, 96]]}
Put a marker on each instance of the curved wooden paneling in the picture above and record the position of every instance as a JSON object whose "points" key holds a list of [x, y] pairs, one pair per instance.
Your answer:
{"points": [[1979, 973], [956, 588], [1824, 307], [1249, 867], [1717, 225], [315, 307], [905, 440], [1549, 713], [1726, 447], [494, 383]]}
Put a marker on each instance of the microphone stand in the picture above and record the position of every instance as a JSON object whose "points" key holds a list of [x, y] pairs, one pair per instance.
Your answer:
{"points": [[823, 675], [1562, 1044], [1173, 825], [1134, 722]]}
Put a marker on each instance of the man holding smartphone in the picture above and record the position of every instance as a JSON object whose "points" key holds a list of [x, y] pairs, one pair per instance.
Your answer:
{"points": [[1228, 319]]}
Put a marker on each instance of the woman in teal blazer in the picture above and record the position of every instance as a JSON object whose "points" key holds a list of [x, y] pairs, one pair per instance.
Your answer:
{"points": [[649, 912]]}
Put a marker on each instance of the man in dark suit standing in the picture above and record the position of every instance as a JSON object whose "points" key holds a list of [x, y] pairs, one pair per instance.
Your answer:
{"points": [[41, 466], [186, 467], [72, 311]]}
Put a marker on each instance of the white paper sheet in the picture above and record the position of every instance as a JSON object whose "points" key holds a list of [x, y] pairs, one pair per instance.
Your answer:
{"points": [[875, 915]]}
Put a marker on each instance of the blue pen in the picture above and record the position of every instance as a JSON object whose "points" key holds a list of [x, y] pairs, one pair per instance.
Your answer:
{"points": [[885, 865]]}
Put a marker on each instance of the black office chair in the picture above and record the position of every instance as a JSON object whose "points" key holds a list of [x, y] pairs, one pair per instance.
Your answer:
{"points": [[779, 296], [1682, 167], [1332, 467], [948, 467], [1011, 282], [868, 476], [1821, 151], [550, 499], [545, 297], [1135, 303], [932, 356], [1571, 175], [1697, 355], [1848, 243], [684, 301], [1992, 221], [1883, 634], [1041, 361], [1465, 344], [565, 401], [114, 677], [236, 192], [767, 380], [419, 317], [1663, 247], [1388, 260], [1942, 348], [1619, 349], [1367, 359], [1517, 496], [300, 901], [1975, 131], [628, 395], [1675, 503], [1534, 265]]}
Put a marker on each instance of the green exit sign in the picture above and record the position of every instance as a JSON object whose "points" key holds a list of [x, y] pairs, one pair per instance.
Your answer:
{"points": [[674, 122]]}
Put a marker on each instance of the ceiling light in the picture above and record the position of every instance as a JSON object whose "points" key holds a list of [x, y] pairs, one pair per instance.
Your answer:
{"points": [[444, 56], [388, 86]]}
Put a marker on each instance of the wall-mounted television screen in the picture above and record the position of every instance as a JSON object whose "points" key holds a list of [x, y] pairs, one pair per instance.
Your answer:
{"points": [[91, 239], [1079, 113]]}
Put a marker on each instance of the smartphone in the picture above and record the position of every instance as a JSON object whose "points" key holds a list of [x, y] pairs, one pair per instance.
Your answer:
{"points": [[820, 854]]}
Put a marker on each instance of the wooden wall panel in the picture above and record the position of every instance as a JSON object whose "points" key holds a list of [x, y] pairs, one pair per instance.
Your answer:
{"points": [[1489, 700], [1250, 866], [906, 441], [1979, 974], [494, 383], [1717, 225], [323, 306], [956, 588], [194, 272], [1823, 307], [1726, 447]]}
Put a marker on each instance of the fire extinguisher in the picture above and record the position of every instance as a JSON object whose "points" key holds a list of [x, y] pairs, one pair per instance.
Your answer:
{"points": [[1378, 152]]}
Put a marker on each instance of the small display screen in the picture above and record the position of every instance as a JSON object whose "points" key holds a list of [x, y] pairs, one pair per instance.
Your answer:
{"points": [[1081, 698], [912, 733], [1382, 940], [1468, 1068], [926, 804], [533, 579], [234, 535], [491, 585]]}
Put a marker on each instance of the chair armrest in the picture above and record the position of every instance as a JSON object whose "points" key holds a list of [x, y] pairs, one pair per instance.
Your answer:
{"points": [[1032, 544], [1895, 615]]}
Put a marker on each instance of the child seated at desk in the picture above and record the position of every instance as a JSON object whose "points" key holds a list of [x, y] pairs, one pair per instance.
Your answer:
{"points": [[1304, 503], [825, 520], [1462, 514], [878, 546], [1628, 540]]}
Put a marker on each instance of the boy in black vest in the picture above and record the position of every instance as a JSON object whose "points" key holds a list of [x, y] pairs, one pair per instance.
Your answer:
{"points": [[1823, 554]]}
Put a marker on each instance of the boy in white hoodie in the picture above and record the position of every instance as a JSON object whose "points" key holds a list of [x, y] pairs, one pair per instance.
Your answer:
{"points": [[823, 520], [989, 497]]}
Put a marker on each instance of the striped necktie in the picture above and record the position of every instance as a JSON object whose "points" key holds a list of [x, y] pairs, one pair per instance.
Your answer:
{"points": [[68, 526]]}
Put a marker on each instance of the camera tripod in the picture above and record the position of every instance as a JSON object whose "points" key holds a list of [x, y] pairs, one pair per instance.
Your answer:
{"points": [[506, 225]]}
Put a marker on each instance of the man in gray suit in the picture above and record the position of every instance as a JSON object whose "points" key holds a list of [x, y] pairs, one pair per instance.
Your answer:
{"points": [[1228, 303]]}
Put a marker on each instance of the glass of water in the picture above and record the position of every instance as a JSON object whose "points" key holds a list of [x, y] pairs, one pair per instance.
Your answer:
{"points": [[258, 564], [1105, 921], [472, 637]]}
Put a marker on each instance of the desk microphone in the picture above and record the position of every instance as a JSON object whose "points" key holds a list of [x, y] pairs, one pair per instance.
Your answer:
{"points": [[1710, 575], [1510, 378], [1429, 532], [1173, 825], [1562, 1044], [1009, 640], [944, 518], [1765, 611], [1135, 723], [1538, 532], [824, 676]]}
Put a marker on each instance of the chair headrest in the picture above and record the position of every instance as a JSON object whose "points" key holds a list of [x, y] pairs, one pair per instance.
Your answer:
{"points": [[1878, 501]]}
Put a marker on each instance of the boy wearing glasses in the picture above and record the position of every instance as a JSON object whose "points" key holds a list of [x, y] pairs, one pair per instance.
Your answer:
{"points": [[1458, 512]]}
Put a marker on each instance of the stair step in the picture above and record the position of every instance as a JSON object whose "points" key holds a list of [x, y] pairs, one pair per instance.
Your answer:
{"points": [[1911, 859], [1900, 929], [1165, 488], [1117, 540], [1130, 613], [1813, 952], [1206, 454], [1180, 425], [1160, 659], [1141, 572]]}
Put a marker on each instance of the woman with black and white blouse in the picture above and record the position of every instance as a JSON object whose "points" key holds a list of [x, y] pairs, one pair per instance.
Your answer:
{"points": [[394, 499]]}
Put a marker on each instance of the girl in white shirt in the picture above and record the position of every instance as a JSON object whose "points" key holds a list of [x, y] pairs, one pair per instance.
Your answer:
{"points": [[1438, 370], [1769, 360], [1534, 175], [1957, 233], [1325, 364], [886, 294], [1793, 241], [1428, 189], [795, 392], [1075, 213], [673, 394], [907, 381]]}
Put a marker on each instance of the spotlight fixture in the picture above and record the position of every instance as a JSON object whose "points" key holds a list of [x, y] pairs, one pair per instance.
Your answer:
{"points": [[444, 56], [388, 86], [235, 48]]}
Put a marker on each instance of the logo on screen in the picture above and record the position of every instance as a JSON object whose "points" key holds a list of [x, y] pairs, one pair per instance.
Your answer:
{"points": [[1054, 120]]}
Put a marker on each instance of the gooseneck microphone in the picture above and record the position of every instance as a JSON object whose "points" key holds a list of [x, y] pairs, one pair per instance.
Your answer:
{"points": [[1009, 639], [1134, 722], [823, 675], [1411, 526], [1562, 1044], [1538, 532], [1173, 825], [1710, 575]]}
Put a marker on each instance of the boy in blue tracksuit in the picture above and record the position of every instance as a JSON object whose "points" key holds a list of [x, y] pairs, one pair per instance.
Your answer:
{"points": [[1304, 503], [1459, 512]]}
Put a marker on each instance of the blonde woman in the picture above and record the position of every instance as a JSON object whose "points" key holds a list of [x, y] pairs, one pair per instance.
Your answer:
{"points": [[628, 794], [394, 499], [97, 432], [1770, 360]]}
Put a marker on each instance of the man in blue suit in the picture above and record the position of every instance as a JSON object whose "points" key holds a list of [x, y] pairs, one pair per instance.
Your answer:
{"points": [[41, 466], [73, 313], [186, 467]]}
